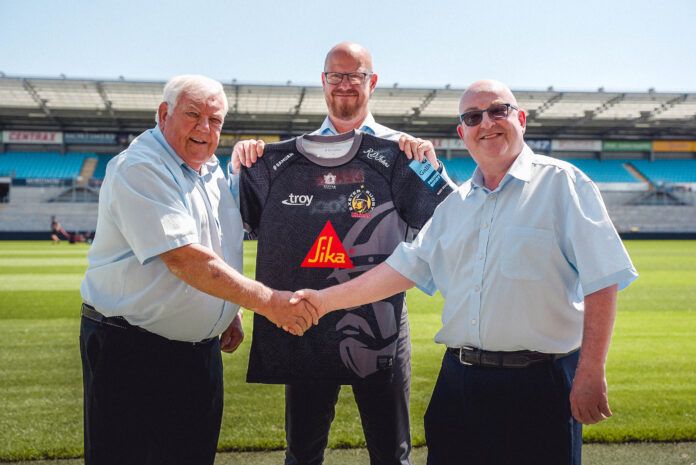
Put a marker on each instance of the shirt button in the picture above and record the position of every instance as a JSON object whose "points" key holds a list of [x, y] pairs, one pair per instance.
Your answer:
{"points": [[480, 257], [473, 322], [477, 288], [484, 226]]}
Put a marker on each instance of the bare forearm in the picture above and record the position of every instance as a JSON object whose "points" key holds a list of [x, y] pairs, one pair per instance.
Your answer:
{"points": [[379, 283], [600, 313], [202, 269]]}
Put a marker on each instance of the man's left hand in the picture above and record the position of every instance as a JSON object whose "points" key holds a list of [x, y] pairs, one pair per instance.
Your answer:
{"points": [[233, 335], [589, 402], [419, 149]]}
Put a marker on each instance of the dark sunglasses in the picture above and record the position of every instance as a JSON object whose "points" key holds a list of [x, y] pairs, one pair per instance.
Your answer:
{"points": [[496, 111]]}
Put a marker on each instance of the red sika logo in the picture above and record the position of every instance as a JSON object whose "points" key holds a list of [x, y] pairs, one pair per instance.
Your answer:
{"points": [[327, 251]]}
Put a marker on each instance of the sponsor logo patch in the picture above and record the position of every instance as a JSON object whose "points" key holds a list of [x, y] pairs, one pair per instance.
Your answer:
{"points": [[327, 251], [343, 176], [301, 200], [283, 160], [361, 203]]}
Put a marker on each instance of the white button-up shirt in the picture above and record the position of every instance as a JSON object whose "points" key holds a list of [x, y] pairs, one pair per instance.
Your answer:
{"points": [[515, 263], [152, 202]]}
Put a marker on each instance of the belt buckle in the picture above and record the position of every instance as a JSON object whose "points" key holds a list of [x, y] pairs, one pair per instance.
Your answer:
{"points": [[461, 358]]}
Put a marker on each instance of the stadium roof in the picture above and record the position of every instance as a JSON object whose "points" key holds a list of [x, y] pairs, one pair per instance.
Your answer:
{"points": [[120, 105]]}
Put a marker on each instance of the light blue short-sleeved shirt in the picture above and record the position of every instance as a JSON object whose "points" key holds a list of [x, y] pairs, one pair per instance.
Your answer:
{"points": [[152, 202], [514, 264], [369, 126]]}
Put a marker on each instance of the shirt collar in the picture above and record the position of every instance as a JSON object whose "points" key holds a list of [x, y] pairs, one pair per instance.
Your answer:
{"points": [[208, 167], [520, 169], [369, 125]]}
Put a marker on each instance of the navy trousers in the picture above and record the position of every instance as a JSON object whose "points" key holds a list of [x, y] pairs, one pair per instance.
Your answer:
{"points": [[147, 399], [384, 413], [503, 416]]}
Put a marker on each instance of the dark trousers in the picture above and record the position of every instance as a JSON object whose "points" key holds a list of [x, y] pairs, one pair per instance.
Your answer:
{"points": [[149, 400], [310, 408], [503, 416]]}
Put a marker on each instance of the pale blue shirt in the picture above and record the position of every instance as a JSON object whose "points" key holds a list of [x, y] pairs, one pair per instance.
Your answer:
{"points": [[369, 126], [515, 263], [152, 202]]}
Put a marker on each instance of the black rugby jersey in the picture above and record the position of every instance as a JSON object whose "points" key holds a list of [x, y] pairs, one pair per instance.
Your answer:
{"points": [[320, 222]]}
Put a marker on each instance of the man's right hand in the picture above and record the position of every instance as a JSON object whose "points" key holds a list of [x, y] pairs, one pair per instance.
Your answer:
{"points": [[312, 297], [294, 318], [246, 152]]}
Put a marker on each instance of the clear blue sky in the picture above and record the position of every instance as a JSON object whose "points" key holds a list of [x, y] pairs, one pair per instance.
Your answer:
{"points": [[579, 45]]}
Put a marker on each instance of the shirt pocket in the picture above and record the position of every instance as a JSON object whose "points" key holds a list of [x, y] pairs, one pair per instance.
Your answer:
{"points": [[526, 253]]}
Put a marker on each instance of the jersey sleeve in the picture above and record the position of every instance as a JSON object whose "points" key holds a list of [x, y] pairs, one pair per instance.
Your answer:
{"points": [[254, 186], [414, 198]]}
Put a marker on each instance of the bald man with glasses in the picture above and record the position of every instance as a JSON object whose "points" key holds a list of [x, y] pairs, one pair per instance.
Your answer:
{"points": [[529, 264]]}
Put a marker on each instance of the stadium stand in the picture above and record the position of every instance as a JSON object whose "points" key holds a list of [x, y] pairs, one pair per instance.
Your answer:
{"points": [[667, 171], [460, 169], [47, 165], [612, 136], [100, 170], [604, 171], [575, 104], [684, 108], [632, 105]]}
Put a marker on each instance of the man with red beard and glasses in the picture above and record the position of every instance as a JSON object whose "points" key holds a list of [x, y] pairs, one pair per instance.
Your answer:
{"points": [[348, 82], [370, 350]]}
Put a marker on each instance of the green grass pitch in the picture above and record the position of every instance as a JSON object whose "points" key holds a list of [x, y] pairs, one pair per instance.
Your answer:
{"points": [[651, 375]]}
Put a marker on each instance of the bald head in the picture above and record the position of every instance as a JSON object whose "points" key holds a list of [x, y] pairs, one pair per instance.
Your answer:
{"points": [[485, 86], [349, 51]]}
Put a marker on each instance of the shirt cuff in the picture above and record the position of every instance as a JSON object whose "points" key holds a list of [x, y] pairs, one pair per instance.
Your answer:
{"points": [[623, 278], [411, 267]]}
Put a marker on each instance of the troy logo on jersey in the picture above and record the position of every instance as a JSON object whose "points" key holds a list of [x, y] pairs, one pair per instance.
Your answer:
{"points": [[327, 251]]}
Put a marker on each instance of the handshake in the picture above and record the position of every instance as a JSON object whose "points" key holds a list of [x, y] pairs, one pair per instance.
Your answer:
{"points": [[294, 312]]}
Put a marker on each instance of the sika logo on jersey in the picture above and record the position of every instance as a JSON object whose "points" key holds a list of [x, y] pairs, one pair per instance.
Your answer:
{"points": [[301, 200], [361, 202], [327, 251]]}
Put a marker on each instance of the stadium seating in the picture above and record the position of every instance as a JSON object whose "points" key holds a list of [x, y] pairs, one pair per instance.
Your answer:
{"points": [[685, 109], [460, 169], [604, 171], [100, 170], [667, 171], [47, 165]]}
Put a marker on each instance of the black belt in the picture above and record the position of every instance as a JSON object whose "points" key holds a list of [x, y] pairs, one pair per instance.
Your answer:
{"points": [[517, 359], [119, 322]]}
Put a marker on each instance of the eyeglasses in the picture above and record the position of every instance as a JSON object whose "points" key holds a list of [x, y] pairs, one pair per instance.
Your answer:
{"points": [[496, 111], [353, 78]]}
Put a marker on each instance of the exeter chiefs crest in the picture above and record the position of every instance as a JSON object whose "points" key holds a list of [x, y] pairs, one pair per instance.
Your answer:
{"points": [[361, 203]]}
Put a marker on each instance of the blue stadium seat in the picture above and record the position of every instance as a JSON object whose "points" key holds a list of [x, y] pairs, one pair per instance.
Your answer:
{"points": [[44, 165], [604, 171], [669, 171], [459, 169], [100, 170]]}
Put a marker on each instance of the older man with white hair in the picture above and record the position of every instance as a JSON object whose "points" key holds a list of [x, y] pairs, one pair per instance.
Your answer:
{"points": [[163, 283], [529, 264]]}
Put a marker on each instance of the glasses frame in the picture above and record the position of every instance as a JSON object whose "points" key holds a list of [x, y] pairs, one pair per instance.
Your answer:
{"points": [[346, 75], [509, 106]]}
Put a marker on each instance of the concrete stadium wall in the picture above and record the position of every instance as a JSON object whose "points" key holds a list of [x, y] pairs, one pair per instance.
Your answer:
{"points": [[28, 214]]}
